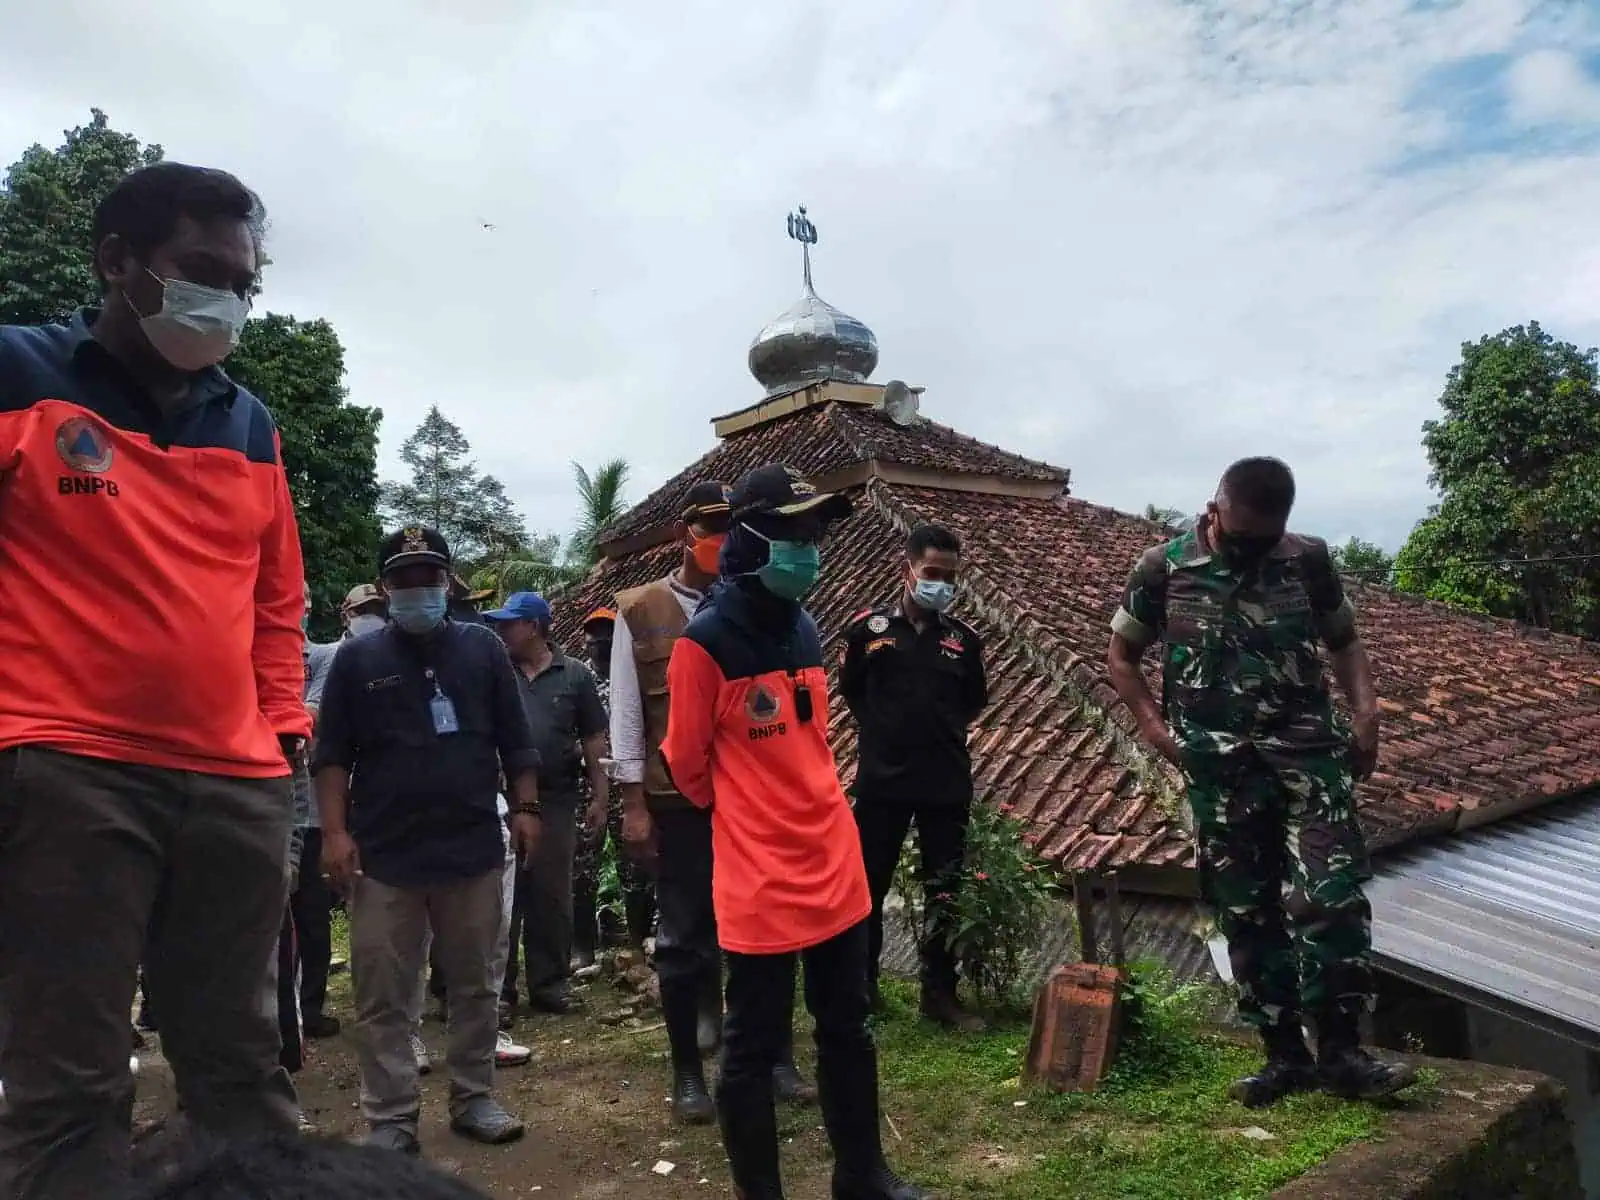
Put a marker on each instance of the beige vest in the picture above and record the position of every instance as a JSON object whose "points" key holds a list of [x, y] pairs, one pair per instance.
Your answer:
{"points": [[655, 621]]}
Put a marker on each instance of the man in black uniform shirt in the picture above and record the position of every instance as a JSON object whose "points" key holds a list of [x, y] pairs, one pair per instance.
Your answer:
{"points": [[913, 678]]}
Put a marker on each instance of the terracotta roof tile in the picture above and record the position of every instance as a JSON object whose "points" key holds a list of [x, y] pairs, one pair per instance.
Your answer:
{"points": [[817, 440], [1477, 713]]}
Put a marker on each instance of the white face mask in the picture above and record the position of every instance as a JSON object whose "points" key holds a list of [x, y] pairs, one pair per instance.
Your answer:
{"points": [[197, 326], [365, 623]]}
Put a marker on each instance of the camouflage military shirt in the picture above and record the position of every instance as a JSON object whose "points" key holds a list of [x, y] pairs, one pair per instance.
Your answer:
{"points": [[1240, 661]]}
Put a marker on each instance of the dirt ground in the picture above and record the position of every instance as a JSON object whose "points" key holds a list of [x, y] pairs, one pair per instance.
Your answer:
{"points": [[594, 1098]]}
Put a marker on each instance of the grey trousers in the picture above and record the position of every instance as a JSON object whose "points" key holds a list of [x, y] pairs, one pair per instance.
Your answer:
{"points": [[502, 945], [388, 951], [101, 864]]}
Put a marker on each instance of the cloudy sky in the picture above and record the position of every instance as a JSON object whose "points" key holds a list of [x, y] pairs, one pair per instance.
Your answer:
{"points": [[1137, 238]]}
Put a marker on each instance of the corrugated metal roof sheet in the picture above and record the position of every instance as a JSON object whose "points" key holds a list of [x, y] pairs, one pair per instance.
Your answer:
{"points": [[1507, 916]]}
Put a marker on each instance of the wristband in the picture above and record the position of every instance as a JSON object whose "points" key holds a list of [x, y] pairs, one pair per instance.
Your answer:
{"points": [[527, 810]]}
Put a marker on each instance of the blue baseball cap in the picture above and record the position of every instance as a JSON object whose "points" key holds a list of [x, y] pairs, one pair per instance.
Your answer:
{"points": [[522, 606]]}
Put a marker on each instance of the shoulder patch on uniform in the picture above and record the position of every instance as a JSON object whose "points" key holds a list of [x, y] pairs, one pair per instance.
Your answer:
{"points": [[877, 624], [860, 616]]}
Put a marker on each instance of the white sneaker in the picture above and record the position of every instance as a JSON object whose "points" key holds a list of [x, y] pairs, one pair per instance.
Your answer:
{"points": [[420, 1049], [508, 1054], [133, 1064]]}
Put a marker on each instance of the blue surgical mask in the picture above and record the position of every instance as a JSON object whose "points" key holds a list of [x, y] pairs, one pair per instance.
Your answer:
{"points": [[418, 610], [935, 595], [791, 568]]}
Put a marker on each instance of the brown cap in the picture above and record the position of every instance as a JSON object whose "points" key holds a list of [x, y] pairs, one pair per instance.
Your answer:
{"points": [[360, 596]]}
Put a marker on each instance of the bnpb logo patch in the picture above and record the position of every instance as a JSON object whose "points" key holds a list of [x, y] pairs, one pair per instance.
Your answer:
{"points": [[83, 446], [761, 705]]}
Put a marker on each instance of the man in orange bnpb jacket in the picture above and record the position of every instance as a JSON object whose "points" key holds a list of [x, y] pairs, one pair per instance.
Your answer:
{"points": [[747, 738], [151, 692]]}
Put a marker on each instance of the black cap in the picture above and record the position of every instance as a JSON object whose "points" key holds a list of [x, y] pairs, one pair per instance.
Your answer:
{"points": [[782, 491], [415, 545], [707, 498]]}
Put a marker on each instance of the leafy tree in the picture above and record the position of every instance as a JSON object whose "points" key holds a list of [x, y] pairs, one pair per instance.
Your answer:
{"points": [[1367, 559], [330, 450], [46, 216], [602, 506], [448, 492], [1516, 459], [1169, 517]]}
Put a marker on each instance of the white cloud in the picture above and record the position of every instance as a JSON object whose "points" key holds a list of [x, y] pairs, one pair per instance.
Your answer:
{"points": [[1136, 237], [1551, 87]]}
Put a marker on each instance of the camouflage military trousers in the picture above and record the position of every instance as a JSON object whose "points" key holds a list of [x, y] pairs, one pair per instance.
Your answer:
{"points": [[1282, 864]]}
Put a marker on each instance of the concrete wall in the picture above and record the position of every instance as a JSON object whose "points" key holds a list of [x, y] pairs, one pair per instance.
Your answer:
{"points": [[1509, 1043], [1489, 1134]]}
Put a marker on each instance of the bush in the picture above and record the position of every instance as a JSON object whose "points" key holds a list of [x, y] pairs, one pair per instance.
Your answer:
{"points": [[1000, 903]]}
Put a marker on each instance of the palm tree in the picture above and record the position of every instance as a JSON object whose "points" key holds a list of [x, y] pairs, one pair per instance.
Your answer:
{"points": [[601, 507]]}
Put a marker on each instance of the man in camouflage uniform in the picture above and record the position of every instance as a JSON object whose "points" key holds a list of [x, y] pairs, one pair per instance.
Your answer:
{"points": [[638, 900], [1239, 605]]}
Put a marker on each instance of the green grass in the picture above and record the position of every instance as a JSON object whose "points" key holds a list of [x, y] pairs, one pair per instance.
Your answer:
{"points": [[1160, 1128]]}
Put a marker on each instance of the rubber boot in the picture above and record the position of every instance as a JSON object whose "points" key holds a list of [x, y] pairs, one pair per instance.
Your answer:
{"points": [[691, 1100], [788, 1085], [708, 1024], [1344, 1069], [750, 1137], [585, 926], [848, 1085], [1288, 1068], [638, 909]]}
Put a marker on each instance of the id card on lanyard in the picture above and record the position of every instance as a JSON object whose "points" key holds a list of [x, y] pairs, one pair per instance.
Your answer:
{"points": [[441, 708]]}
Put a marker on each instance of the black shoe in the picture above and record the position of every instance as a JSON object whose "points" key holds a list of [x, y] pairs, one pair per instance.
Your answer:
{"points": [[791, 1087], [943, 1008], [322, 1026], [691, 1102], [880, 1184], [1353, 1074], [486, 1123], [393, 1137], [557, 1001]]}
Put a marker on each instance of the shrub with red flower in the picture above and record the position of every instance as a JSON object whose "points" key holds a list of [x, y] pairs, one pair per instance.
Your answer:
{"points": [[998, 909]]}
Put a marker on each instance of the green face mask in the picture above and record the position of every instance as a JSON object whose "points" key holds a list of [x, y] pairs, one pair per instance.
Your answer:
{"points": [[791, 569]]}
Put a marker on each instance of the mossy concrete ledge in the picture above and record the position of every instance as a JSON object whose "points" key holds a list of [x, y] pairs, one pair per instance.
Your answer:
{"points": [[1486, 1133]]}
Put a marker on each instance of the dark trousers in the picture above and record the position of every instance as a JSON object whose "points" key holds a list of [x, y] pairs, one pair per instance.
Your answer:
{"points": [[185, 871], [688, 958], [541, 916], [312, 909], [942, 839], [291, 1031], [758, 1030]]}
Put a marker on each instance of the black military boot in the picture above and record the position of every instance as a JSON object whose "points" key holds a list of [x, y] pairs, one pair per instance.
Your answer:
{"points": [[750, 1136], [1344, 1069], [1289, 1067], [691, 1100], [848, 1086]]}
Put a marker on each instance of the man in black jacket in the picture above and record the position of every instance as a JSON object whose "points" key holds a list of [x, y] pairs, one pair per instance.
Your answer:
{"points": [[913, 678]]}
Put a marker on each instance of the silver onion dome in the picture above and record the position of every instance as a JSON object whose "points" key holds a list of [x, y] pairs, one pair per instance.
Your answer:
{"points": [[812, 340]]}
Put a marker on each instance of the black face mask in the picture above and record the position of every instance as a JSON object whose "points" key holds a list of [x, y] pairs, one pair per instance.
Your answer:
{"points": [[1244, 549], [599, 657]]}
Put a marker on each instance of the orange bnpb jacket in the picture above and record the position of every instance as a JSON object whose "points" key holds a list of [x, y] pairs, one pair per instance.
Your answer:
{"points": [[150, 570], [747, 737]]}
